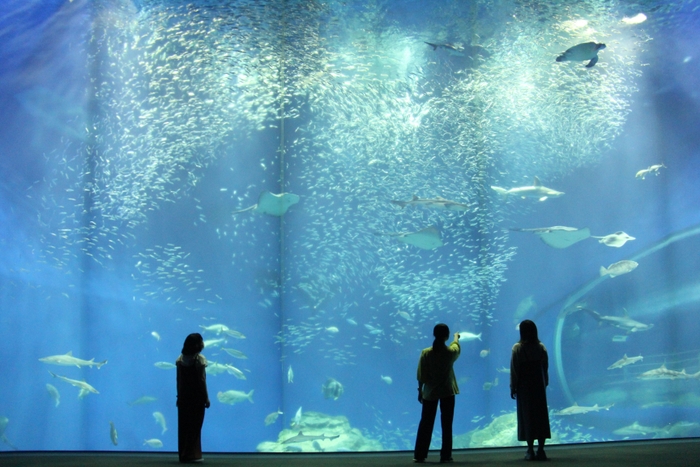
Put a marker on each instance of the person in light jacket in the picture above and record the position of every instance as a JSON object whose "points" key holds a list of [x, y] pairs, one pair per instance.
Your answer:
{"points": [[437, 384]]}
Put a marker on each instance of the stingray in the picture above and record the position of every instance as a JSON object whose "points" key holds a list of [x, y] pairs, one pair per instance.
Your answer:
{"points": [[427, 239], [559, 236], [615, 240], [272, 204]]}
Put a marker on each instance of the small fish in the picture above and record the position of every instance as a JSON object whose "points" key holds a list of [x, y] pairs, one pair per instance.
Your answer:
{"points": [[296, 421], [215, 328], [233, 397], [290, 374], [636, 19], [351, 321], [165, 365], [235, 353], [55, 395], [332, 389], [387, 379], [272, 418], [153, 443], [466, 336], [232, 370], [619, 268], [332, 329], [488, 385], [235, 334], [113, 434], [155, 335], [160, 420], [484, 353], [214, 342], [652, 169], [142, 400], [503, 370]]}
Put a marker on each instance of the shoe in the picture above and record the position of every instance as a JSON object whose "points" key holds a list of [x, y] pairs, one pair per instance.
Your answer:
{"points": [[445, 461], [418, 461], [541, 456], [530, 455]]}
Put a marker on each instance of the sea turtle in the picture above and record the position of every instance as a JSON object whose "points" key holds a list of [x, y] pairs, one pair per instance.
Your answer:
{"points": [[585, 51]]}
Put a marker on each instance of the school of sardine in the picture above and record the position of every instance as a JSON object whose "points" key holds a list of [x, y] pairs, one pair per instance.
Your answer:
{"points": [[175, 87]]}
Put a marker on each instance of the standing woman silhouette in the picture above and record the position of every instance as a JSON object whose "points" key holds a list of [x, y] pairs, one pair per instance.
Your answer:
{"points": [[529, 378], [192, 398], [437, 383]]}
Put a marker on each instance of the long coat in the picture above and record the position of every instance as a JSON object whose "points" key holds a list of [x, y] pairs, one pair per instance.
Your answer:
{"points": [[529, 376]]}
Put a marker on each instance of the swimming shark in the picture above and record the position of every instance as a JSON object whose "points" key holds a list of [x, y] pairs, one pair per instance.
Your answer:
{"points": [[536, 190], [624, 361], [272, 204], [455, 47], [69, 360], [558, 236], [427, 239], [301, 437], [579, 409], [664, 373], [82, 385], [622, 322], [434, 203], [636, 429]]}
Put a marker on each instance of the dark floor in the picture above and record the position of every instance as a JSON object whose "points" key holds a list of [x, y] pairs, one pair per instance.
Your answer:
{"points": [[667, 453]]}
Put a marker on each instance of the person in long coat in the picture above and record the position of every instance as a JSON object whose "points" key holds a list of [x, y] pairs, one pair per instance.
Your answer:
{"points": [[437, 384], [192, 398], [529, 378]]}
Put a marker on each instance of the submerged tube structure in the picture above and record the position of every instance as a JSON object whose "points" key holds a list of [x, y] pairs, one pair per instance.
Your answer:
{"points": [[574, 297]]}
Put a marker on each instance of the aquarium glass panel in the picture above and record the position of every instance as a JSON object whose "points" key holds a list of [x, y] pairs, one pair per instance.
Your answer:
{"points": [[313, 185]]}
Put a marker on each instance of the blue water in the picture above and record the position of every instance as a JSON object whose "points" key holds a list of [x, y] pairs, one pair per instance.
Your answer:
{"points": [[132, 130]]}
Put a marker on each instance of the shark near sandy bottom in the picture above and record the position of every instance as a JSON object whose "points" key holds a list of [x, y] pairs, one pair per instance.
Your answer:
{"points": [[301, 438], [580, 409]]}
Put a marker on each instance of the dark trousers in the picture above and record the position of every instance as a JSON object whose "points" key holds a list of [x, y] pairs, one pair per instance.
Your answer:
{"points": [[190, 419], [425, 428]]}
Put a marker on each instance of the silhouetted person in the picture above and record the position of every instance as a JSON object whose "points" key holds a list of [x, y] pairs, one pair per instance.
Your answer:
{"points": [[529, 378], [192, 398], [437, 383]]}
